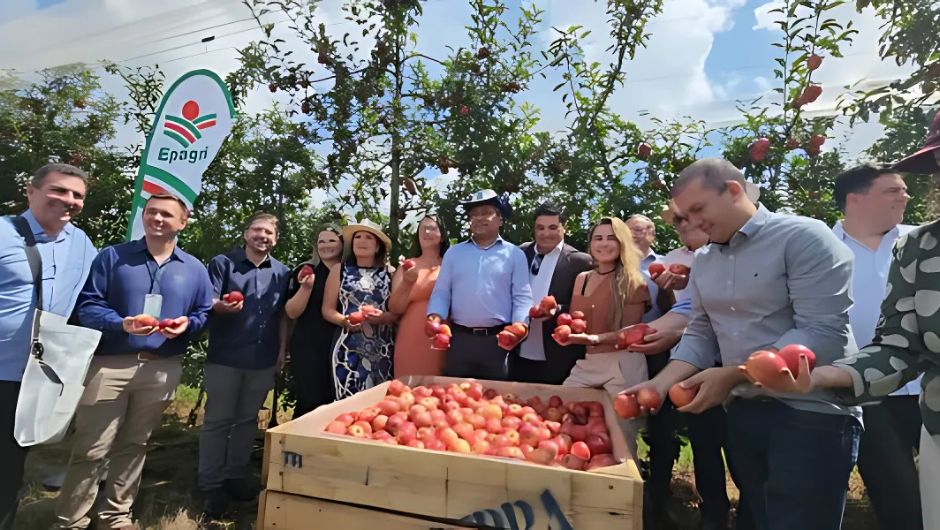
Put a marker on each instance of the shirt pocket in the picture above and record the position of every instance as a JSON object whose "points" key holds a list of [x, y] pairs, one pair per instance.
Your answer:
{"points": [[762, 290]]}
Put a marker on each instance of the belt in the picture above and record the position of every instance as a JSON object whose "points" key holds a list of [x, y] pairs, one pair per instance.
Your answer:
{"points": [[492, 330]]}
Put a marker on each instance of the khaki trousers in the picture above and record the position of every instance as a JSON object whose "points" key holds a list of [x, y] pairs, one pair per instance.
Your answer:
{"points": [[613, 372], [123, 403]]}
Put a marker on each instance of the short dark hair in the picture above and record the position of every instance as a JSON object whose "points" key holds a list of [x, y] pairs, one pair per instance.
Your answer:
{"points": [[550, 209], [66, 169], [857, 180], [169, 197], [714, 173], [262, 216]]}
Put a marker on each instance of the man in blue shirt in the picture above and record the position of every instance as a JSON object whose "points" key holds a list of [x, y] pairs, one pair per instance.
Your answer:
{"points": [[872, 200], [55, 195], [247, 340], [136, 367], [483, 285]]}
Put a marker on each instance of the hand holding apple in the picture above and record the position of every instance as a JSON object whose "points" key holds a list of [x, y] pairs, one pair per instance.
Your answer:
{"points": [[141, 325], [512, 335], [306, 276], [772, 370], [172, 328], [714, 385]]}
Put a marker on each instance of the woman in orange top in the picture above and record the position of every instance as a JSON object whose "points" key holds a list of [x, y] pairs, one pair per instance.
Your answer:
{"points": [[411, 290], [612, 296]]}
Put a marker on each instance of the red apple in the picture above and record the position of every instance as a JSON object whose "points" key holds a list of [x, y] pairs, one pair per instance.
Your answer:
{"points": [[602, 460], [766, 367], [577, 315], [440, 342], [813, 62], [234, 297], [758, 149], [563, 319], [368, 414], [626, 406], [680, 396], [572, 461], [167, 323], [507, 340], [518, 329], [648, 398], [655, 269], [445, 330], [408, 264], [536, 312], [146, 321], [633, 335], [680, 269], [355, 318], [548, 304], [336, 427], [598, 444], [541, 456], [379, 422], [304, 272], [644, 150], [791, 354], [562, 333], [578, 325]]}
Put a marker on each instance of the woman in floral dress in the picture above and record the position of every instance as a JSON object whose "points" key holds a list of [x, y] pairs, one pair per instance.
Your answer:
{"points": [[362, 353]]}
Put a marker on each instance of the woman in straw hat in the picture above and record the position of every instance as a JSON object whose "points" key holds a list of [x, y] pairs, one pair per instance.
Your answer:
{"points": [[362, 352]]}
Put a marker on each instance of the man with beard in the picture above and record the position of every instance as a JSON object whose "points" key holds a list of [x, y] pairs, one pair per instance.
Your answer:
{"points": [[247, 339]]}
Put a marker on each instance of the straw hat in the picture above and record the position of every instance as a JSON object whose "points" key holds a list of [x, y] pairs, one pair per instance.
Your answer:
{"points": [[365, 225]]}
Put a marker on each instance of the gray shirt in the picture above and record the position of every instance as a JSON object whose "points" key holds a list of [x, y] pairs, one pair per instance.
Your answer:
{"points": [[781, 279]]}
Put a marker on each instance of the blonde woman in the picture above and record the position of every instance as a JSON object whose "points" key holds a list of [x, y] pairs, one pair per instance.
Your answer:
{"points": [[612, 295]]}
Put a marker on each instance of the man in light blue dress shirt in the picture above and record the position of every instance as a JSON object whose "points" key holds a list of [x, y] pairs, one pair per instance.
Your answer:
{"points": [[872, 200], [765, 281], [56, 195], [483, 285]]}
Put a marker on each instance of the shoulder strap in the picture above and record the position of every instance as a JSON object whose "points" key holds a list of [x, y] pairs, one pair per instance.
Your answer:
{"points": [[32, 255]]}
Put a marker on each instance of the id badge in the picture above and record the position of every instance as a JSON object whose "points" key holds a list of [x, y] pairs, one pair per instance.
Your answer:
{"points": [[153, 303]]}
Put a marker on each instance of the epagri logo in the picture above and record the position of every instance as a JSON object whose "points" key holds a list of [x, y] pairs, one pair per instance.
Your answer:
{"points": [[185, 129]]}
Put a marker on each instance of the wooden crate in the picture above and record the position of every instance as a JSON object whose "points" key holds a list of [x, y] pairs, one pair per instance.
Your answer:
{"points": [[302, 459], [283, 511]]}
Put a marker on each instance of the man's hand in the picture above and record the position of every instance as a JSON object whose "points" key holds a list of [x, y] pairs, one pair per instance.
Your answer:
{"points": [[577, 338], [653, 385], [227, 308], [672, 281], [137, 325], [714, 385], [178, 328], [658, 341]]}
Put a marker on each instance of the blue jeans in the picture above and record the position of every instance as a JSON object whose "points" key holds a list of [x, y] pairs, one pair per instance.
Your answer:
{"points": [[792, 466]]}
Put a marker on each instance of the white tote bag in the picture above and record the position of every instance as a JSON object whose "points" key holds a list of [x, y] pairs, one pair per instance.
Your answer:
{"points": [[59, 357]]}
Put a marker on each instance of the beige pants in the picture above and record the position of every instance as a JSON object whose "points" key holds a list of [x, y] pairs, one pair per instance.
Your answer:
{"points": [[930, 478], [614, 372], [123, 403]]}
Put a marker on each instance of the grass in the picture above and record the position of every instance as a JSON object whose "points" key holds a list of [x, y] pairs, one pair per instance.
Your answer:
{"points": [[168, 500]]}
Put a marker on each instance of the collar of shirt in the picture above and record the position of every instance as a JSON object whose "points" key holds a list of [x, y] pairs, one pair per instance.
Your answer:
{"points": [[242, 255], [649, 258], [40, 233], [753, 225], [499, 239], [141, 246], [891, 235]]}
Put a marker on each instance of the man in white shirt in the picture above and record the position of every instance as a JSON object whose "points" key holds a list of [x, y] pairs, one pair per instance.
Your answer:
{"points": [[872, 200], [553, 267]]}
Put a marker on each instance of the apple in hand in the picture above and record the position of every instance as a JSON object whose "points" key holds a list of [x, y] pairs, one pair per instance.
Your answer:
{"points": [[578, 325], [146, 321], [305, 271], [233, 297], [548, 304], [563, 319], [633, 335], [518, 329], [536, 312], [680, 396], [791, 354], [167, 323], [680, 269], [655, 269], [355, 318], [562, 333], [648, 398], [440, 342], [766, 368], [626, 406], [507, 340], [408, 264]]}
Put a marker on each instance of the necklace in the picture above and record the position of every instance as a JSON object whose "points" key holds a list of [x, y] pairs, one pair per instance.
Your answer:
{"points": [[597, 272]]}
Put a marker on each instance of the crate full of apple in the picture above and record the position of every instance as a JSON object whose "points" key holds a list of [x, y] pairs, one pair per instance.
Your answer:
{"points": [[441, 449], [468, 418]]}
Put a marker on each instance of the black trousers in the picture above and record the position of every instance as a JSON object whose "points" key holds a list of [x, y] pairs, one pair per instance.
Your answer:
{"points": [[12, 456], [707, 434], [477, 356], [886, 461], [312, 377]]}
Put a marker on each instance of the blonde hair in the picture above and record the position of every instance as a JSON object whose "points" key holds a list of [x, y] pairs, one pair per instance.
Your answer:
{"points": [[627, 275]]}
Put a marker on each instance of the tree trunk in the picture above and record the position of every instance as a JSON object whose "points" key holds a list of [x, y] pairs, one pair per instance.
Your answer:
{"points": [[393, 222]]}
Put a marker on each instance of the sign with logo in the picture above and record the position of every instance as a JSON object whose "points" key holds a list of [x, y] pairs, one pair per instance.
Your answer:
{"points": [[193, 120]]}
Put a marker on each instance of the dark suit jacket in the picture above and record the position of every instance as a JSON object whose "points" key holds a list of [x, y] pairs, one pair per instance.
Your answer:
{"points": [[571, 263]]}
